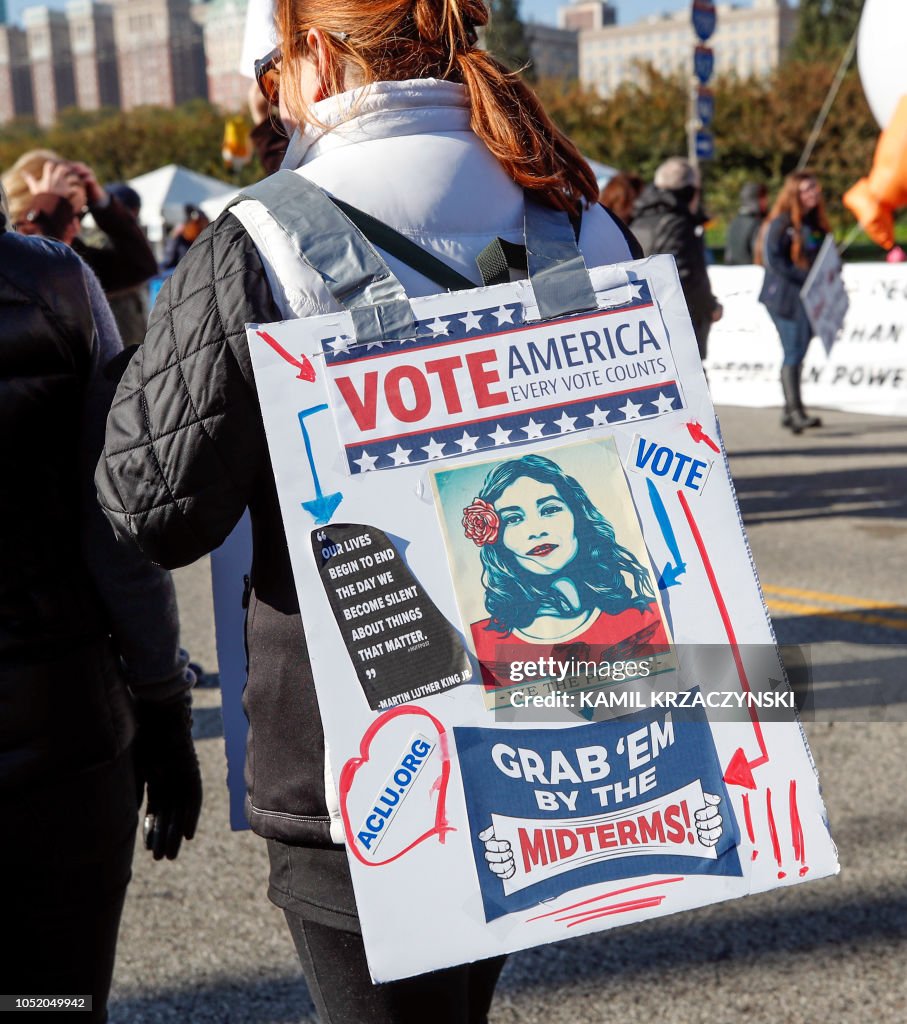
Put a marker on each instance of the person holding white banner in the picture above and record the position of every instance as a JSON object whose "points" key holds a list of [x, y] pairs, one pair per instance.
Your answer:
{"points": [[396, 110], [796, 228]]}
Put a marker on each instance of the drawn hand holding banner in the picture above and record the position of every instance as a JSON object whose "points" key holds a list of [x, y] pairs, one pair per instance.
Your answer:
{"points": [[503, 515]]}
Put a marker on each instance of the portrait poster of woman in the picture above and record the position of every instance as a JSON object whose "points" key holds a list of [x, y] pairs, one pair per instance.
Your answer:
{"points": [[548, 560]]}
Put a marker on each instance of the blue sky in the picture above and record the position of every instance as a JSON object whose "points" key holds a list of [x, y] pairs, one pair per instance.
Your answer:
{"points": [[539, 10]]}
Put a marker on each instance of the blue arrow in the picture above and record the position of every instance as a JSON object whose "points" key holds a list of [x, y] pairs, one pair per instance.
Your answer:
{"points": [[323, 506], [671, 572]]}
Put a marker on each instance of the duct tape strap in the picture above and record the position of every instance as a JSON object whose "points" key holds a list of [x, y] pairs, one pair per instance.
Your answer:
{"points": [[322, 236], [557, 270]]}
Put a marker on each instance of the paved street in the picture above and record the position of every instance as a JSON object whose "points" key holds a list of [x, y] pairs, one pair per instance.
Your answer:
{"points": [[826, 515]]}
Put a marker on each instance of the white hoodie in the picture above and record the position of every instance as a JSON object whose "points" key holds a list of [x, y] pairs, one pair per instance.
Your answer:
{"points": [[404, 152]]}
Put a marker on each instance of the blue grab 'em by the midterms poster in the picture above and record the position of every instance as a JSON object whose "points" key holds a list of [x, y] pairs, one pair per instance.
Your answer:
{"points": [[609, 800]]}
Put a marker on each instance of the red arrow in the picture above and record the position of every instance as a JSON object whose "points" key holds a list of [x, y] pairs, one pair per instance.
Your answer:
{"points": [[700, 436], [739, 771], [306, 370]]}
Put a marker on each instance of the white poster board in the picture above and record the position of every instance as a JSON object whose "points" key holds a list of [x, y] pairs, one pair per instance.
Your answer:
{"points": [[513, 541], [824, 296], [866, 370]]}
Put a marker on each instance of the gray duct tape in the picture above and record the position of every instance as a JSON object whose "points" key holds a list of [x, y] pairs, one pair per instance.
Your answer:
{"points": [[356, 276], [557, 271]]}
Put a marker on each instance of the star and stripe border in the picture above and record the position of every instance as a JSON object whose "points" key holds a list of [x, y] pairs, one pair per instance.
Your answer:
{"points": [[471, 325], [504, 431]]}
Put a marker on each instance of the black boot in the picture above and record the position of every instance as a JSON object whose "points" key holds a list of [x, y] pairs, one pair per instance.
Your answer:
{"points": [[805, 419], [792, 418]]}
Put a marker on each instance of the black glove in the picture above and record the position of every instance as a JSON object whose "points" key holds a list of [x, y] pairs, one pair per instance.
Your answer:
{"points": [[165, 761]]}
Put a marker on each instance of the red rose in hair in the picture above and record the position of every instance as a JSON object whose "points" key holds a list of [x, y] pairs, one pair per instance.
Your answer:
{"points": [[481, 523]]}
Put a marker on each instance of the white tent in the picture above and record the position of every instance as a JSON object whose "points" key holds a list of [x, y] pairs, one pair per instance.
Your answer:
{"points": [[215, 206], [166, 191]]}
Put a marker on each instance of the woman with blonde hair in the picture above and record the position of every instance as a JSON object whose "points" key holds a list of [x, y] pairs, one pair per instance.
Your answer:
{"points": [[395, 110], [49, 195], [794, 232]]}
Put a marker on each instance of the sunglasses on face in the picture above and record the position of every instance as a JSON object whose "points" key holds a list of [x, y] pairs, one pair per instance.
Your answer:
{"points": [[267, 74], [267, 68]]}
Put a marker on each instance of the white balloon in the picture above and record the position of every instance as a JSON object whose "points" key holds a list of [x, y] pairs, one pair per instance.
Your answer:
{"points": [[880, 55]]}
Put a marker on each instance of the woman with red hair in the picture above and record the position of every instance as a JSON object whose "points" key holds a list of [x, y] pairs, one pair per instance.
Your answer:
{"points": [[796, 227], [393, 108]]}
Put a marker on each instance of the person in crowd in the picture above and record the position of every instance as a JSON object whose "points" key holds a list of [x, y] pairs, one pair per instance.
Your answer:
{"points": [[667, 219], [183, 235], [130, 306], [396, 110], [797, 226], [94, 690], [268, 135], [49, 196], [740, 244], [621, 193]]}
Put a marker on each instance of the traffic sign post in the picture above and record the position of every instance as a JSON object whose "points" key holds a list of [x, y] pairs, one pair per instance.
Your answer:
{"points": [[705, 106], [705, 145], [701, 113]]}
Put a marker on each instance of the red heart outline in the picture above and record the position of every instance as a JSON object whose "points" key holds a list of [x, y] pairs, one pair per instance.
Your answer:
{"points": [[441, 826]]}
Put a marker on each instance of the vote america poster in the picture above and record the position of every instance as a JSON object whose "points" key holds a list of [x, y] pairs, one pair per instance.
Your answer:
{"points": [[546, 673]]}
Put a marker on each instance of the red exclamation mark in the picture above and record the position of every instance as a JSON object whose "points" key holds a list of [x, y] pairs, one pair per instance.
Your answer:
{"points": [[796, 829], [773, 832], [748, 818], [685, 811]]}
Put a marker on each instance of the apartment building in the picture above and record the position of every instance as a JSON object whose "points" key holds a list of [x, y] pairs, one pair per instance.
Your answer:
{"points": [[94, 54], [15, 74], [748, 41], [50, 56], [160, 51], [224, 23]]}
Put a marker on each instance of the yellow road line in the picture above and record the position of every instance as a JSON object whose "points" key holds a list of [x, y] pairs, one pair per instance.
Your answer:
{"points": [[818, 595], [832, 613]]}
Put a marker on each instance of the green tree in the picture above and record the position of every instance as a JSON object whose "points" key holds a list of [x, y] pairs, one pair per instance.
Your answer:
{"points": [[505, 36], [120, 145], [825, 26]]}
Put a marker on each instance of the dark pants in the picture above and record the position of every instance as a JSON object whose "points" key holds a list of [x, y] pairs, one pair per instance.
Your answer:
{"points": [[795, 335], [314, 889], [333, 962], [702, 325], [65, 862]]}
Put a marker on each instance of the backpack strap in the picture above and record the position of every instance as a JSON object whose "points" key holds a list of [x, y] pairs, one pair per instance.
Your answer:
{"points": [[557, 270], [333, 238], [325, 238], [502, 261], [406, 250]]}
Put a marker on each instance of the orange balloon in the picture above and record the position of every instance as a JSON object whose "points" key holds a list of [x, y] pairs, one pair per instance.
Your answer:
{"points": [[874, 199]]}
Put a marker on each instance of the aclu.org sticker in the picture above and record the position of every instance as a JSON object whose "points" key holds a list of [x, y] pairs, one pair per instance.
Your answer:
{"points": [[397, 786], [393, 795], [553, 810], [400, 644]]}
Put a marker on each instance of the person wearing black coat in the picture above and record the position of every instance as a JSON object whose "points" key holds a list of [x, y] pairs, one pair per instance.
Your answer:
{"points": [[797, 226], [740, 244], [93, 684], [666, 219]]}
